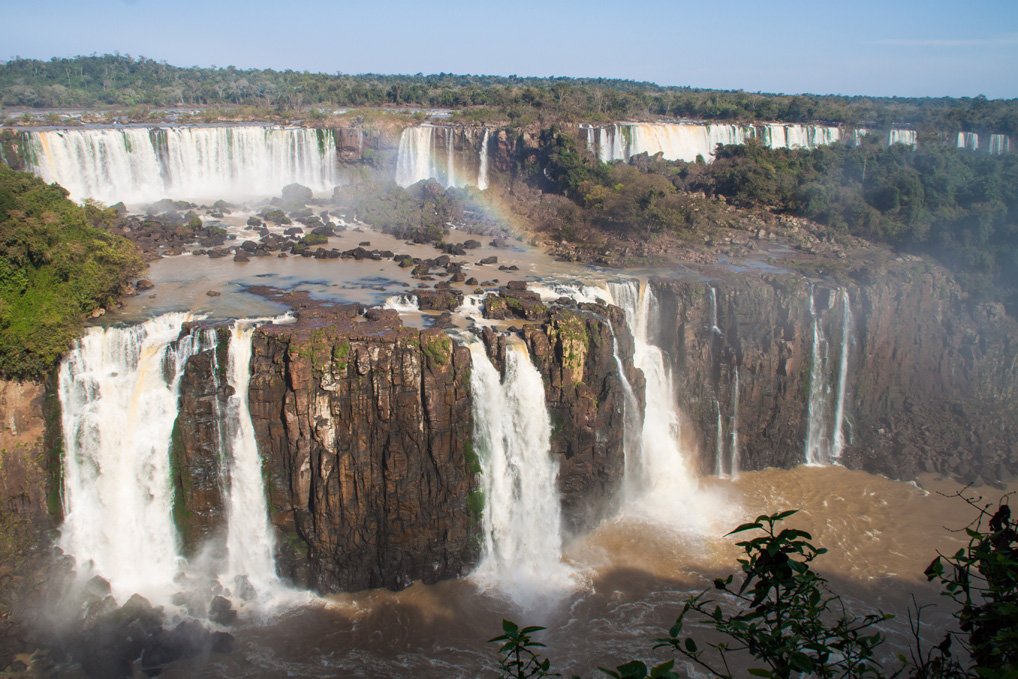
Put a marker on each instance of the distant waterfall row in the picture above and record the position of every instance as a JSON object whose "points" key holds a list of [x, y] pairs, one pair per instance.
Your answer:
{"points": [[435, 152], [998, 144], [141, 164], [119, 398]]}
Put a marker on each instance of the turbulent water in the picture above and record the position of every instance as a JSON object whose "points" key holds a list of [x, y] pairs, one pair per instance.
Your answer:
{"points": [[522, 517], [118, 393], [143, 164], [119, 399]]}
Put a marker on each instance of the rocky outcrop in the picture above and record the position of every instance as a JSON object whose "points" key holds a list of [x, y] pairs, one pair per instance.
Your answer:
{"points": [[574, 350], [365, 427], [931, 381], [197, 444]]}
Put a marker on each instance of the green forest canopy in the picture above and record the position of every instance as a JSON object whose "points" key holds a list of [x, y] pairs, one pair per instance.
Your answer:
{"points": [[122, 80]]}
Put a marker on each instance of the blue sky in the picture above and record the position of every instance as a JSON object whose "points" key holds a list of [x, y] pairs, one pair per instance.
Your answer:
{"points": [[892, 47]]}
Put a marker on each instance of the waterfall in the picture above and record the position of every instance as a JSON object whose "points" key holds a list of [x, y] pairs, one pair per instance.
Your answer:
{"points": [[482, 172], [521, 522], [824, 436], [906, 137], [660, 481], [714, 311], [686, 141], [633, 426], [414, 157], [250, 545], [734, 460], [816, 450], [417, 157], [719, 443], [118, 392], [839, 409], [141, 164], [968, 141], [402, 303], [999, 144]]}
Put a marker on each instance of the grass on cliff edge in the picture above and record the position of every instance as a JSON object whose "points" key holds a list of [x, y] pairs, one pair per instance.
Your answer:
{"points": [[56, 267]]}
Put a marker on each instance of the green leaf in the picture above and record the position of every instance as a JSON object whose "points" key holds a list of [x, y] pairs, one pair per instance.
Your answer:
{"points": [[759, 672]]}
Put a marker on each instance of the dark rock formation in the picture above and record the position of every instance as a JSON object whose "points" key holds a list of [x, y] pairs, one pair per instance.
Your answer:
{"points": [[932, 385], [365, 427]]}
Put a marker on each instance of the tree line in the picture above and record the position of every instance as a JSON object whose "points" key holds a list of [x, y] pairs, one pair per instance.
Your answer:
{"points": [[125, 81]]}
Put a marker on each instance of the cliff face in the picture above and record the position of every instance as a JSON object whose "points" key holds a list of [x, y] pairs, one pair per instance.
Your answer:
{"points": [[198, 505], [365, 430], [930, 382]]}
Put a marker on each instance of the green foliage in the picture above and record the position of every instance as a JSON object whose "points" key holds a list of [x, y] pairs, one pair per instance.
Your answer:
{"points": [[56, 267], [315, 239], [782, 620], [789, 621], [134, 83], [982, 578], [517, 656]]}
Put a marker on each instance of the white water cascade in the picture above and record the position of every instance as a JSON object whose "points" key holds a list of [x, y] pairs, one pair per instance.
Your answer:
{"points": [[686, 141], [418, 157], [118, 392], [482, 172], [143, 164], [906, 137], [999, 144], [250, 546], [734, 459], [521, 521], [660, 484], [968, 141], [824, 436], [839, 407]]}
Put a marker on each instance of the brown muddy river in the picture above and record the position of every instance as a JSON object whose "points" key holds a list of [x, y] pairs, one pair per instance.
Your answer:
{"points": [[635, 574]]}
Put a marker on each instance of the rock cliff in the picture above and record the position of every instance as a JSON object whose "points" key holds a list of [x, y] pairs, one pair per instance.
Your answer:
{"points": [[931, 379]]}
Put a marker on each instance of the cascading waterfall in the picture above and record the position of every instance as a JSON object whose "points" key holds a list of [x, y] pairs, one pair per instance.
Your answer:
{"points": [[119, 396], [141, 164], [522, 549], [250, 566], [482, 172], [118, 392], [817, 449], [686, 141], [719, 443], [906, 137], [414, 158], [714, 311], [824, 437], [660, 482], [999, 144], [839, 409], [402, 303], [968, 141], [734, 459]]}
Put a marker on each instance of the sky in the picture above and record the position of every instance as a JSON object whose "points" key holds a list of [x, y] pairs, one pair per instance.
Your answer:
{"points": [[866, 47]]}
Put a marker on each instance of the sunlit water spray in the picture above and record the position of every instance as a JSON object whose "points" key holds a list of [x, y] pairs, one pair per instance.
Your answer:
{"points": [[119, 396], [522, 516]]}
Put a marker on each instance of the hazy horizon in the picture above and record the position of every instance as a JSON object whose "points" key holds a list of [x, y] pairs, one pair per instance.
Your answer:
{"points": [[907, 49]]}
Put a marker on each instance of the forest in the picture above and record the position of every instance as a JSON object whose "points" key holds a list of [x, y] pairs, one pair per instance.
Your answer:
{"points": [[125, 81]]}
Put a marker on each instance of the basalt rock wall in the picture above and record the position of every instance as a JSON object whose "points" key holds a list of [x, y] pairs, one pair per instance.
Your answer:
{"points": [[931, 381], [365, 429]]}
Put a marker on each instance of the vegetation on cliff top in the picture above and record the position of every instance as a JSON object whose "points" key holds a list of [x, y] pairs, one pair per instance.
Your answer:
{"points": [[123, 81], [958, 206], [56, 267]]}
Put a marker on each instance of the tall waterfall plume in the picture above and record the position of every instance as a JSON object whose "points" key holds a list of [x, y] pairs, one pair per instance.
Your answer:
{"points": [[482, 171], [825, 425], [522, 516], [118, 392], [142, 164], [250, 546]]}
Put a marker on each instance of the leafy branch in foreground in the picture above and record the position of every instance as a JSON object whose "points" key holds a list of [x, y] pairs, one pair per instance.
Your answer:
{"points": [[982, 578], [517, 656], [790, 621]]}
